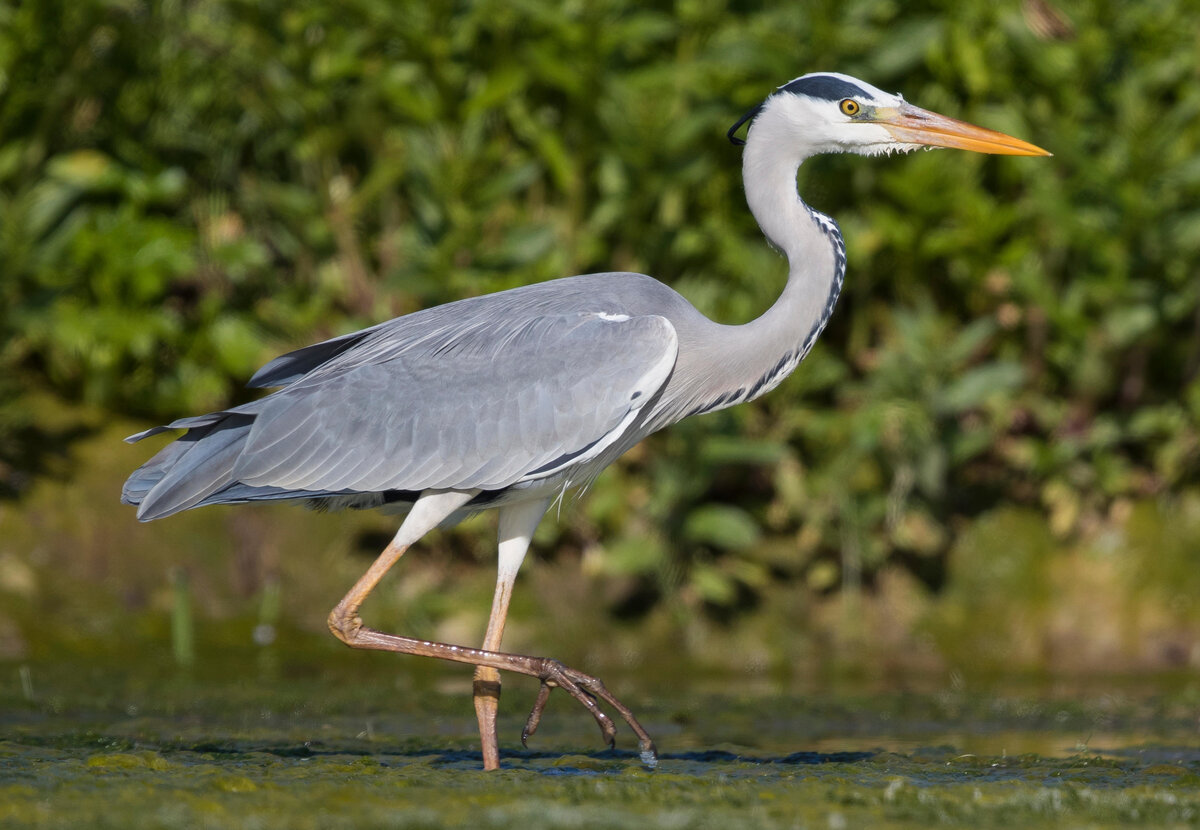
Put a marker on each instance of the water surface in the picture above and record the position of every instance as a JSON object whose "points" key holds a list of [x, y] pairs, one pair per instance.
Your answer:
{"points": [[243, 744]]}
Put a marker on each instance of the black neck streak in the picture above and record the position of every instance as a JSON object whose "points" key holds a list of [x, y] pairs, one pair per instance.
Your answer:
{"points": [[791, 359]]}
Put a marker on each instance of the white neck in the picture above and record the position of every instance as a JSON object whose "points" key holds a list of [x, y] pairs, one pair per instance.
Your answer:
{"points": [[739, 363], [769, 176]]}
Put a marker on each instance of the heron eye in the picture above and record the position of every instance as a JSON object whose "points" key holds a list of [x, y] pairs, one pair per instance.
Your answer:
{"points": [[850, 107]]}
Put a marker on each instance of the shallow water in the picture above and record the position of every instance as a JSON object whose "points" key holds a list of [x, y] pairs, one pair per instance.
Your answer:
{"points": [[237, 744]]}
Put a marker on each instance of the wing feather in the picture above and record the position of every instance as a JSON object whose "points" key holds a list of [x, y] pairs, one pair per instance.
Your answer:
{"points": [[485, 407]]}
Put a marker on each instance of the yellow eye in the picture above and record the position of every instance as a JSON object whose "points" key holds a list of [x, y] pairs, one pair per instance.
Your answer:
{"points": [[850, 107]]}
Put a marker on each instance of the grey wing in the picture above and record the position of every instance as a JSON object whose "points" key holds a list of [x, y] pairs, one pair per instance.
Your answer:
{"points": [[494, 405], [294, 365]]}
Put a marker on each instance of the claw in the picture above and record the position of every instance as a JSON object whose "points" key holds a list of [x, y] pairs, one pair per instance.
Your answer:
{"points": [[587, 690], [607, 729], [535, 714]]}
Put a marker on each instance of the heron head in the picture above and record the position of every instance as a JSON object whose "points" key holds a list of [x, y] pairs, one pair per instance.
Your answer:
{"points": [[826, 112]]}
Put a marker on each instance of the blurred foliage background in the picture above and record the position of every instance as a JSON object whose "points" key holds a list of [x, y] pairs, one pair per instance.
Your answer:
{"points": [[989, 460]]}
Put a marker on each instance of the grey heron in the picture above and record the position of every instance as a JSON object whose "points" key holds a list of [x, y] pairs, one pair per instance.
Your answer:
{"points": [[508, 400]]}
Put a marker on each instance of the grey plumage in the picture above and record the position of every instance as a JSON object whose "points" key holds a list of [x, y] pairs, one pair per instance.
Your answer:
{"points": [[545, 378], [488, 393]]}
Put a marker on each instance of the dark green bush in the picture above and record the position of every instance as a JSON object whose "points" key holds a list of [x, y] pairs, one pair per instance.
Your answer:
{"points": [[187, 188]]}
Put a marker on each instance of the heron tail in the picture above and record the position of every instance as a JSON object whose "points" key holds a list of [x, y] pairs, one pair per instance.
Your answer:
{"points": [[188, 472]]}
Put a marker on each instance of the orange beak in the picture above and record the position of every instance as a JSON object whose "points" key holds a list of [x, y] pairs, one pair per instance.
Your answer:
{"points": [[913, 125]]}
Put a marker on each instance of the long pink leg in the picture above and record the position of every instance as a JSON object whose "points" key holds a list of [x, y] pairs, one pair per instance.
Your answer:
{"points": [[429, 511], [517, 524]]}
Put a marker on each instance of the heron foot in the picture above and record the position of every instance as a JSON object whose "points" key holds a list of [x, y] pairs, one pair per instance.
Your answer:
{"points": [[348, 627], [586, 689]]}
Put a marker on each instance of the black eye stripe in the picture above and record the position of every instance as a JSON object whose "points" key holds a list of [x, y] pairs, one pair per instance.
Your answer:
{"points": [[825, 86]]}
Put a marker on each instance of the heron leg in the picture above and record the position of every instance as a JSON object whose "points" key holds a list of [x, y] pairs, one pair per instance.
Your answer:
{"points": [[517, 524], [430, 510]]}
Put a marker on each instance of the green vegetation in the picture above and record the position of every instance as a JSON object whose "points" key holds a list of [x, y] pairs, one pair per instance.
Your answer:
{"points": [[188, 188]]}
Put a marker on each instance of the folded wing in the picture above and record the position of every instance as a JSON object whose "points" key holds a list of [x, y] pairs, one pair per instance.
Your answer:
{"points": [[480, 406]]}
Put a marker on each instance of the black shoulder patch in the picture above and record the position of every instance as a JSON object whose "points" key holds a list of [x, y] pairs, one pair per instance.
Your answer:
{"points": [[825, 87]]}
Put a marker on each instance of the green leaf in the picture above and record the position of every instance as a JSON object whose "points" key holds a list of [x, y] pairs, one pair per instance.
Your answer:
{"points": [[721, 526], [978, 385]]}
